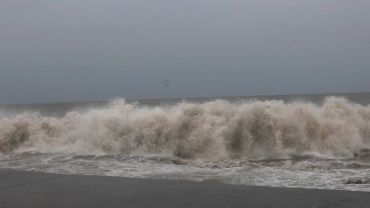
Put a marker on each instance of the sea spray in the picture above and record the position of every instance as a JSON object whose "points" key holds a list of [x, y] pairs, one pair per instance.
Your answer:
{"points": [[213, 130]]}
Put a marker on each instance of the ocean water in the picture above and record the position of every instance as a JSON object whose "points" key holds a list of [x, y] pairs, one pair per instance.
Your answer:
{"points": [[307, 141]]}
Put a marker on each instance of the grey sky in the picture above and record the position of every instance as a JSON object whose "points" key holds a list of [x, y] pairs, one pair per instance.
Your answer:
{"points": [[75, 50]]}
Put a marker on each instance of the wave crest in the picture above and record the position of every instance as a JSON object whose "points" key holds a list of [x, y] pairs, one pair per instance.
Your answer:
{"points": [[212, 130]]}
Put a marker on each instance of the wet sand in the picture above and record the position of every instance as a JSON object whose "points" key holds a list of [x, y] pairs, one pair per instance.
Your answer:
{"points": [[30, 189]]}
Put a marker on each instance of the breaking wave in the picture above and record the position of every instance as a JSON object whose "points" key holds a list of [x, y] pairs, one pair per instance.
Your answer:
{"points": [[212, 130]]}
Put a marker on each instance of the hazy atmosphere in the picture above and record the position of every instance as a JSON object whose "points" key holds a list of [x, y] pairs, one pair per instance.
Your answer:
{"points": [[80, 50]]}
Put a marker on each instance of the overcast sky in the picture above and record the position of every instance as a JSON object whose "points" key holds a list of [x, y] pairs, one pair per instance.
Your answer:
{"points": [[79, 50]]}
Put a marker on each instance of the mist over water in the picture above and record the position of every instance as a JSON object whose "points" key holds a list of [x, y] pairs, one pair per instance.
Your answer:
{"points": [[218, 140]]}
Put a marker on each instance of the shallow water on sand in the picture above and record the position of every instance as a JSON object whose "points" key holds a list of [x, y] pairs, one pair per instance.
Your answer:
{"points": [[292, 172]]}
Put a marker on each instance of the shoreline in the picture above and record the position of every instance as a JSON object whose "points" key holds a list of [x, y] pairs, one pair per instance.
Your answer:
{"points": [[34, 189]]}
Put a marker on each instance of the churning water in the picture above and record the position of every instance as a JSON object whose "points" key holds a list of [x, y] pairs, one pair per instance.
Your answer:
{"points": [[297, 141]]}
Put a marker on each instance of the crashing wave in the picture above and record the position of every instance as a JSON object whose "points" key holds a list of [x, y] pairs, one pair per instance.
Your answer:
{"points": [[212, 130]]}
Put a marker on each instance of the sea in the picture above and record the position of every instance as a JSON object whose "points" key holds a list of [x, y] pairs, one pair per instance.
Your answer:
{"points": [[306, 141]]}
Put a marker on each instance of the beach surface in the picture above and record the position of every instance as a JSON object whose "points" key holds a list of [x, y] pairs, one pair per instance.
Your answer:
{"points": [[33, 189]]}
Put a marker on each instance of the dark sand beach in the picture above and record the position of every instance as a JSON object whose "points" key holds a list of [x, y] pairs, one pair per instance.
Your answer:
{"points": [[31, 189]]}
